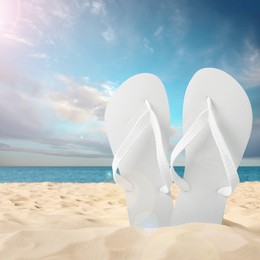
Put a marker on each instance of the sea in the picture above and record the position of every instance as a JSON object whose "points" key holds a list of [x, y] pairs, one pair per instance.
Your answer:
{"points": [[87, 174]]}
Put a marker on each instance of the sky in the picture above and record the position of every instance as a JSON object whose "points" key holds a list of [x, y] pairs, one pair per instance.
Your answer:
{"points": [[61, 61]]}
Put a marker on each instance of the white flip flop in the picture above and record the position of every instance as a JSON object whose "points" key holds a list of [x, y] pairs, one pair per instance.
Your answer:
{"points": [[137, 123], [217, 122]]}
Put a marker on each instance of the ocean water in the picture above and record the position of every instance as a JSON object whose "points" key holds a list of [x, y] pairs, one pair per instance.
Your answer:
{"points": [[87, 174]]}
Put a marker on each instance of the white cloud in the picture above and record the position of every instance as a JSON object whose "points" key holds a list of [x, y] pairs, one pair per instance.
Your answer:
{"points": [[10, 37], [26, 114], [62, 11], [245, 66], [98, 7], [79, 102], [21, 105], [179, 18], [109, 35], [67, 147], [174, 131], [158, 31], [42, 56], [43, 22], [250, 75], [108, 88], [147, 46], [44, 13], [175, 135]]}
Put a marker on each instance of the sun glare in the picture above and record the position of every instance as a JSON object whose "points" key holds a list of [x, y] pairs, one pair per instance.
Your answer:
{"points": [[9, 14]]}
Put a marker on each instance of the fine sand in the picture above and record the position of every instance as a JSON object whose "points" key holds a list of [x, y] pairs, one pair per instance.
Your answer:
{"points": [[89, 221]]}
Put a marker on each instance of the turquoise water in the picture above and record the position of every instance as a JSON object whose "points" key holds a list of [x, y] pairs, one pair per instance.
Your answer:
{"points": [[87, 174]]}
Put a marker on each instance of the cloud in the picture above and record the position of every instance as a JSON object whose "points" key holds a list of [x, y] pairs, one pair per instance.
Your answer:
{"points": [[79, 102], [42, 56], [178, 21], [85, 142], [13, 38], [44, 22], [98, 7], [174, 131], [253, 147], [174, 137], [158, 31], [147, 45], [4, 146], [62, 11], [179, 18], [56, 152], [44, 13], [250, 74], [251, 77], [109, 35], [245, 65], [26, 114], [108, 88], [21, 106]]}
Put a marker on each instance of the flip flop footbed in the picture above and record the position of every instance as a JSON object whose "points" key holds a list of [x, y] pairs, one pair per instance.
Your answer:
{"points": [[204, 169], [146, 205]]}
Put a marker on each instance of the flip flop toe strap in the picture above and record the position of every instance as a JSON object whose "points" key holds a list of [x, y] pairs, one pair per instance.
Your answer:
{"points": [[204, 118], [144, 122]]}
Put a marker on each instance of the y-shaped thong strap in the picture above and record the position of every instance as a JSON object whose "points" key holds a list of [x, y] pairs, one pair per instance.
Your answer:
{"points": [[206, 117], [146, 120]]}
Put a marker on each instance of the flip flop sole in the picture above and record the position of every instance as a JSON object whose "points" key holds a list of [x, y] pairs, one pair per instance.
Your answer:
{"points": [[146, 206], [204, 169]]}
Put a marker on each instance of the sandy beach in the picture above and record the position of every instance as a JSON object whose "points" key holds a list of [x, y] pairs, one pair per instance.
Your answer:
{"points": [[89, 221]]}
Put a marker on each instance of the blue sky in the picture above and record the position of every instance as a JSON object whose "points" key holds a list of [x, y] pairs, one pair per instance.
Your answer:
{"points": [[60, 62]]}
